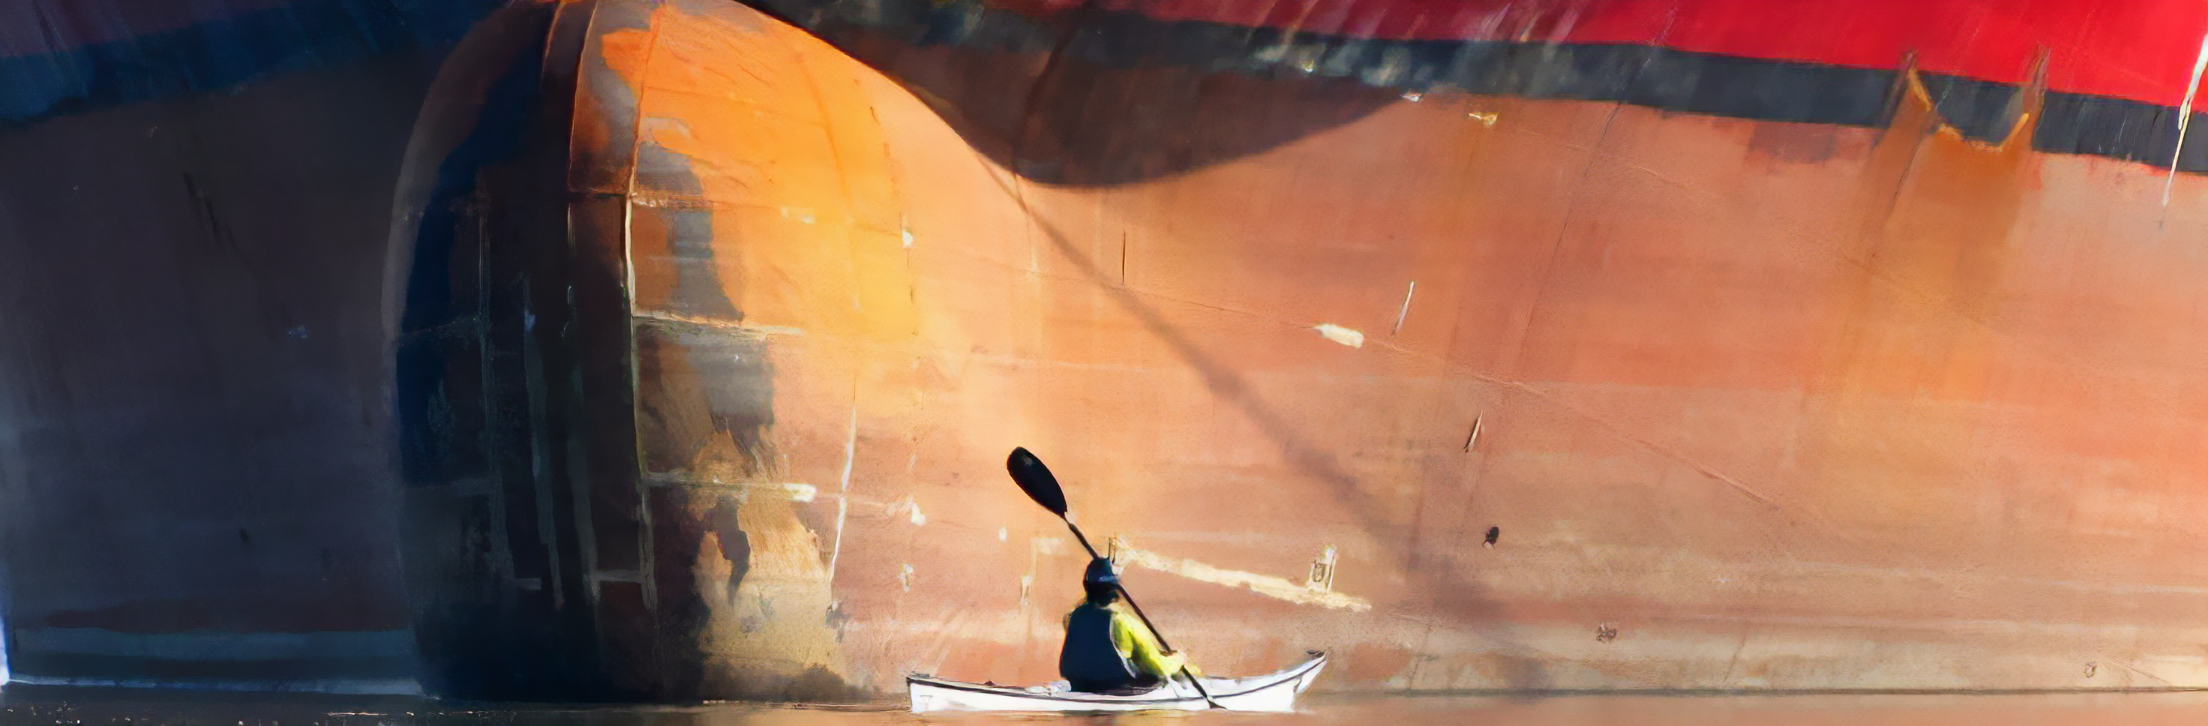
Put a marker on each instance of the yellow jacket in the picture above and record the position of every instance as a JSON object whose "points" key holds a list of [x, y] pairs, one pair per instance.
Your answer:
{"points": [[1139, 646]]}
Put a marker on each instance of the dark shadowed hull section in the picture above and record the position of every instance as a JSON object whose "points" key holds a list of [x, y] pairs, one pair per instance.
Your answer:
{"points": [[195, 481], [545, 441]]}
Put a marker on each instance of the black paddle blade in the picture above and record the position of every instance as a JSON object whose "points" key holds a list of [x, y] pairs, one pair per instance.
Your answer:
{"points": [[1035, 479]]}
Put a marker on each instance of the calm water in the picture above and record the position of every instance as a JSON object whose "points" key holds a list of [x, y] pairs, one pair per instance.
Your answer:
{"points": [[26, 707]]}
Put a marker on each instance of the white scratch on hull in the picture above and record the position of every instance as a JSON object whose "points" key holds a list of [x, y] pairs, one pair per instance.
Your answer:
{"points": [[2184, 114], [797, 491], [1406, 311], [843, 492], [1274, 587], [692, 321]]}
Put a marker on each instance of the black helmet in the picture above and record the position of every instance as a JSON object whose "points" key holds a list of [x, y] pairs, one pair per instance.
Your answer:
{"points": [[1100, 572]]}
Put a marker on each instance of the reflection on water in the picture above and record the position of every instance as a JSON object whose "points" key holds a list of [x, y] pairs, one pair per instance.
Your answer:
{"points": [[21, 706]]}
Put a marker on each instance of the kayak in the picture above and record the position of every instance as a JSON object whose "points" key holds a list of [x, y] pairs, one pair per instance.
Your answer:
{"points": [[1274, 693]]}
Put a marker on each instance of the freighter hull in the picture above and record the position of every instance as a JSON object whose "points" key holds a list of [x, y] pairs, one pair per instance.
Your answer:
{"points": [[1476, 391], [1555, 346], [195, 480]]}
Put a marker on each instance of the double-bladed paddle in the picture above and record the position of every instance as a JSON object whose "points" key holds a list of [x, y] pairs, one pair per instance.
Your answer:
{"points": [[1036, 479]]}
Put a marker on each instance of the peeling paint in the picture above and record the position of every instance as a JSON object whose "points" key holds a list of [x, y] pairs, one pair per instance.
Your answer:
{"points": [[1339, 334], [1272, 587], [911, 510]]}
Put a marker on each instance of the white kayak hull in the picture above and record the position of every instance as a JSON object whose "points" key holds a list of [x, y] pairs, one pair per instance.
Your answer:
{"points": [[1274, 693]]}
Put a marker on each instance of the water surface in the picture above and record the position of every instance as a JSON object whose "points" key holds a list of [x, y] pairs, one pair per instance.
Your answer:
{"points": [[81, 707]]}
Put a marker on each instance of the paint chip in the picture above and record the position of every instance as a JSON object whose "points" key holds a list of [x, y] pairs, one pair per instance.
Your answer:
{"points": [[1485, 119], [911, 510], [1341, 335], [905, 578], [1003, 534], [801, 492], [908, 237]]}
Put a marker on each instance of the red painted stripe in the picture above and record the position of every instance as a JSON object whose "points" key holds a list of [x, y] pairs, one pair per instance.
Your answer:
{"points": [[2137, 49]]}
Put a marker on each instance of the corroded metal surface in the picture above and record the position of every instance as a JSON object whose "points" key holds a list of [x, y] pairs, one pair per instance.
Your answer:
{"points": [[1476, 391], [1518, 347]]}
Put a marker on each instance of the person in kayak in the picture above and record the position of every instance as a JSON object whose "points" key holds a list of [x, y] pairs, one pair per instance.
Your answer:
{"points": [[1109, 650]]}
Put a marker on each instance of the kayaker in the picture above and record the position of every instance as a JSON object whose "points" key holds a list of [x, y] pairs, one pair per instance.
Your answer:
{"points": [[1109, 650]]}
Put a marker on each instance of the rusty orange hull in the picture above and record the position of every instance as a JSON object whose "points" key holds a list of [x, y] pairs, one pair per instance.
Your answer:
{"points": [[1476, 392]]}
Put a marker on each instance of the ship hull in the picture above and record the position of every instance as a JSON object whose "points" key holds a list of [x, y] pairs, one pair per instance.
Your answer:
{"points": [[1477, 391], [195, 467], [670, 351]]}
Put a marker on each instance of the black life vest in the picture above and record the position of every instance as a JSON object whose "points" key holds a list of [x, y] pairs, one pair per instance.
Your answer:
{"points": [[1088, 661]]}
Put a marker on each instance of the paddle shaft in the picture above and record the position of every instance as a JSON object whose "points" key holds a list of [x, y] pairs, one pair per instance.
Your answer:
{"points": [[1123, 594], [1130, 598]]}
